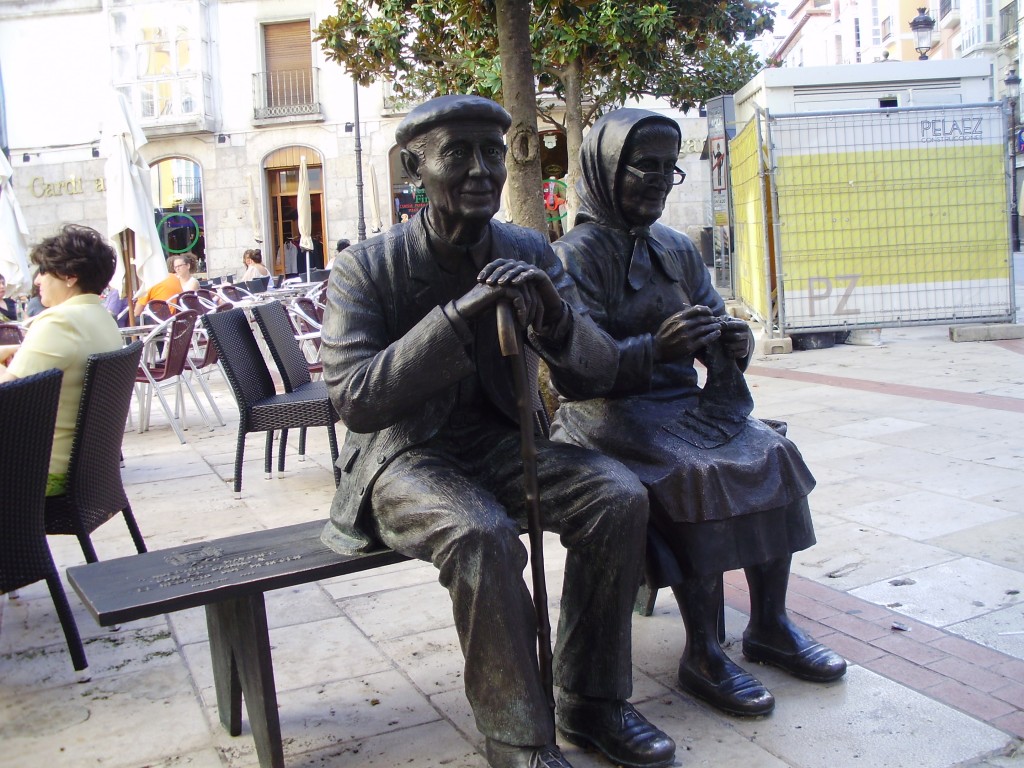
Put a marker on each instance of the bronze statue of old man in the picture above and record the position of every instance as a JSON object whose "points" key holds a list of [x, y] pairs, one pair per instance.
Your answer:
{"points": [[431, 464]]}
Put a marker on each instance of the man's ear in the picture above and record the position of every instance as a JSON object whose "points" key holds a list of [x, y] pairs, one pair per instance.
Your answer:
{"points": [[411, 164]]}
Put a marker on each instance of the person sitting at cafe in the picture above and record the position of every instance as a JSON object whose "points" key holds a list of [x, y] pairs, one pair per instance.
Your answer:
{"points": [[342, 245], [74, 266], [8, 309], [254, 266], [180, 266]]}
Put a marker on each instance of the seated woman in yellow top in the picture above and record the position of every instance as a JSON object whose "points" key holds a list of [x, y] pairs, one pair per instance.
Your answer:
{"points": [[180, 266], [74, 267]]}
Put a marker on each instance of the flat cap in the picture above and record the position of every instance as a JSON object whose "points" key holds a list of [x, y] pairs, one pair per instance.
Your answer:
{"points": [[445, 109]]}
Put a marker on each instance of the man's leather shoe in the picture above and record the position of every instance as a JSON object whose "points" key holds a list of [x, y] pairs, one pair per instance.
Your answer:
{"points": [[501, 755], [808, 661], [615, 728], [739, 694]]}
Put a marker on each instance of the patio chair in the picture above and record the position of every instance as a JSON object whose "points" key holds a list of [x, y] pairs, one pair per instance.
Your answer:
{"points": [[11, 333], [28, 409], [296, 371], [233, 293], [164, 360], [95, 492], [156, 311], [202, 301], [307, 316], [260, 407]]}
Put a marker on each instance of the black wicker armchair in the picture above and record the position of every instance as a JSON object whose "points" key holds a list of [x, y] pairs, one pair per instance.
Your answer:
{"points": [[95, 491], [28, 411], [260, 407]]}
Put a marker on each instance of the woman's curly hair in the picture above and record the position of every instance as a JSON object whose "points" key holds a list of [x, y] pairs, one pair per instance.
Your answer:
{"points": [[77, 251]]}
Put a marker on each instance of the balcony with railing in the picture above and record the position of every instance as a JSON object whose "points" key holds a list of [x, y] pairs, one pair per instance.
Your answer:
{"points": [[1008, 21], [286, 96], [886, 28], [949, 14]]}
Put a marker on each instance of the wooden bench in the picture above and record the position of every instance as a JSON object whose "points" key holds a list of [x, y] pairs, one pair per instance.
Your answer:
{"points": [[229, 577]]}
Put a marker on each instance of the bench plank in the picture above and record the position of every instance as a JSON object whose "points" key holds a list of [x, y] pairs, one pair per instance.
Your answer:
{"points": [[192, 575]]}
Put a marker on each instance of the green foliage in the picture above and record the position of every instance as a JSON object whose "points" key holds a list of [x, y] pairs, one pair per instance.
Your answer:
{"points": [[683, 50]]}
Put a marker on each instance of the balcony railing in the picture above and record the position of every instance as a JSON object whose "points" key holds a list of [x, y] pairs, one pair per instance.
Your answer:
{"points": [[1008, 20], [286, 94]]}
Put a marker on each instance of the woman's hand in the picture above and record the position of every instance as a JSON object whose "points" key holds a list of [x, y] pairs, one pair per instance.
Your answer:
{"points": [[685, 333], [7, 352], [736, 337]]}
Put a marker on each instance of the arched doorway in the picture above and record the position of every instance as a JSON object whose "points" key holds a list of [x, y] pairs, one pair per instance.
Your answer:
{"points": [[405, 198], [178, 207], [282, 174]]}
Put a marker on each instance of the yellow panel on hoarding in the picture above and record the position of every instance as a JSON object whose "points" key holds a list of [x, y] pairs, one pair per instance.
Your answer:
{"points": [[749, 261], [898, 216]]}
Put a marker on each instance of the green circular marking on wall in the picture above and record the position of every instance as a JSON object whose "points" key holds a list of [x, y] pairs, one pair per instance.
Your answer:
{"points": [[177, 215]]}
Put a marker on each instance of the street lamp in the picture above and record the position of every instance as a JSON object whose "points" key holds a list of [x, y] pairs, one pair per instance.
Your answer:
{"points": [[922, 26], [1012, 83]]}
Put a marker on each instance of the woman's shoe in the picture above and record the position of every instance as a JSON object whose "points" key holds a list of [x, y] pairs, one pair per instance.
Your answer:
{"points": [[809, 660], [740, 693]]}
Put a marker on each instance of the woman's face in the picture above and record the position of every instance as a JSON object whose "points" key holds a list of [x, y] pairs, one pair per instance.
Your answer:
{"points": [[649, 150], [181, 269], [54, 289]]}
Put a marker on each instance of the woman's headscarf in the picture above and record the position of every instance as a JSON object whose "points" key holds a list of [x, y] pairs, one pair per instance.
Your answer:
{"points": [[600, 157]]}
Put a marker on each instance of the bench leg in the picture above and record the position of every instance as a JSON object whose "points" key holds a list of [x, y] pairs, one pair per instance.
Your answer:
{"points": [[242, 666]]}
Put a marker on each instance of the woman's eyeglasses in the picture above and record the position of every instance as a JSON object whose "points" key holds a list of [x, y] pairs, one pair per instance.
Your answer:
{"points": [[673, 178]]}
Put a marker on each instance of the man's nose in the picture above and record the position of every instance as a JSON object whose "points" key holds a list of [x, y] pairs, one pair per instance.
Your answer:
{"points": [[477, 166]]}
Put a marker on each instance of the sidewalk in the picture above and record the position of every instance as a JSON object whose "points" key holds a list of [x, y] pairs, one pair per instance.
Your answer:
{"points": [[917, 578]]}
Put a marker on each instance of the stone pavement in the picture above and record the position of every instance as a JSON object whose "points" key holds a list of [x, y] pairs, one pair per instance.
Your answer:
{"points": [[917, 578]]}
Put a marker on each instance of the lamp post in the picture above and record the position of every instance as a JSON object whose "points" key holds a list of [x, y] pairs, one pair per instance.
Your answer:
{"points": [[1012, 83], [922, 26]]}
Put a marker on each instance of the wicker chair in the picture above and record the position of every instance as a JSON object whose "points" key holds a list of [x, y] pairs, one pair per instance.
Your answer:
{"points": [[28, 411], [260, 407], [296, 371], [95, 492]]}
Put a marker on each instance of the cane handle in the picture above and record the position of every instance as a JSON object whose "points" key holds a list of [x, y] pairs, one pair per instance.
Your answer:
{"points": [[508, 337]]}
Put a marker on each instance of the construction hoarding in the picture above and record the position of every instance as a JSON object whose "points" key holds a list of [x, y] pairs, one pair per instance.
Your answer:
{"points": [[873, 218]]}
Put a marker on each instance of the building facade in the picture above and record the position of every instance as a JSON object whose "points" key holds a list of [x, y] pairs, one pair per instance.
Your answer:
{"points": [[231, 95]]}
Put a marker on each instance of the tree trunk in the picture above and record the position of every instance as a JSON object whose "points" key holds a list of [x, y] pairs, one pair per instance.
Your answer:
{"points": [[526, 200], [573, 137]]}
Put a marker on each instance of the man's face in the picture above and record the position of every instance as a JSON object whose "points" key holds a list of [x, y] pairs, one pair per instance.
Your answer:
{"points": [[463, 171]]}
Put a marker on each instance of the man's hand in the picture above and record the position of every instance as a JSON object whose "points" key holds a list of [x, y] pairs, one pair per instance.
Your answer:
{"points": [[478, 299], [685, 333], [736, 337], [534, 297]]}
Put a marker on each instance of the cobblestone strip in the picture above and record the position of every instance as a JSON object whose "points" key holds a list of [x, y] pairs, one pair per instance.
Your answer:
{"points": [[982, 682]]}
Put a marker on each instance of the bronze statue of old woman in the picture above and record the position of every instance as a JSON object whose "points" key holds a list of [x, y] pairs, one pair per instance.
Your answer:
{"points": [[727, 491]]}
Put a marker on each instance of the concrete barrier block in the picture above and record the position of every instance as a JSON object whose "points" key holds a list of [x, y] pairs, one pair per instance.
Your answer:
{"points": [[780, 345], [987, 332]]}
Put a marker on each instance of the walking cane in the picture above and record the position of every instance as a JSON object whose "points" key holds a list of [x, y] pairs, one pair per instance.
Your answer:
{"points": [[510, 340]]}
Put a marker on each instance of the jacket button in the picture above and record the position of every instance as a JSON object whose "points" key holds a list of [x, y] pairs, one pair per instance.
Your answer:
{"points": [[381, 459]]}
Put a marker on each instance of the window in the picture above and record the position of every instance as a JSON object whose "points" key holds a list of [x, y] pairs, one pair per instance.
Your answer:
{"points": [[159, 52]]}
